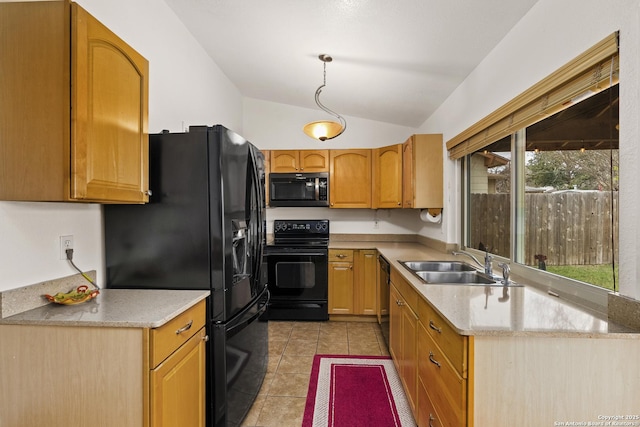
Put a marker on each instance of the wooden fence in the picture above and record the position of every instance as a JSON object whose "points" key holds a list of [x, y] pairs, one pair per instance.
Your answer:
{"points": [[568, 228]]}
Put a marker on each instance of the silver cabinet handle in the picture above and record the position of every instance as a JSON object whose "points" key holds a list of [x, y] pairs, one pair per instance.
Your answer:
{"points": [[400, 303], [431, 419], [432, 360], [184, 328], [205, 338], [148, 193], [341, 256], [434, 327]]}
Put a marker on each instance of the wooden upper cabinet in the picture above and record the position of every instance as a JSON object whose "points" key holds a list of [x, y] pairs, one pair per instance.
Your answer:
{"points": [[284, 161], [287, 161], [422, 172], [74, 110], [109, 115], [387, 187], [350, 178], [314, 160]]}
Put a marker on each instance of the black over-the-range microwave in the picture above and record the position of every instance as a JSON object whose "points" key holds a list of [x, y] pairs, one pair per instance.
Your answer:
{"points": [[299, 189]]}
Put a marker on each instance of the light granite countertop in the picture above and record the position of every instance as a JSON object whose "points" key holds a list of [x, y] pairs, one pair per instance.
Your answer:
{"points": [[487, 310], [126, 308]]}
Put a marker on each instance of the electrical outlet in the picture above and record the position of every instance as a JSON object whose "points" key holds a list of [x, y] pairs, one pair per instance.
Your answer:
{"points": [[375, 224], [66, 242]]}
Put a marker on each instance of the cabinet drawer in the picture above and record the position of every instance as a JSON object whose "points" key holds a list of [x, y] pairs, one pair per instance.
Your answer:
{"points": [[406, 290], [168, 337], [427, 414], [340, 255], [450, 342], [448, 390]]}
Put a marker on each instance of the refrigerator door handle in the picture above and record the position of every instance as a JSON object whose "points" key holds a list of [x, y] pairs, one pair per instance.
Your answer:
{"points": [[241, 320], [259, 194]]}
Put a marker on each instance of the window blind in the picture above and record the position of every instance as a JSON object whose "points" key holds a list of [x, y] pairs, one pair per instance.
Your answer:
{"points": [[593, 71]]}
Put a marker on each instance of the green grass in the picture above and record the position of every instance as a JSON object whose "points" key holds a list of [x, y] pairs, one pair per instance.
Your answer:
{"points": [[599, 275]]}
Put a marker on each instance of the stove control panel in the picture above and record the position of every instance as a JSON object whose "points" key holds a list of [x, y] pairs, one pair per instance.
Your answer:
{"points": [[305, 227]]}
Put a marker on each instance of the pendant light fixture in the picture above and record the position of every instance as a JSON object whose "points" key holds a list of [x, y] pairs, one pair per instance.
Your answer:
{"points": [[325, 129]]}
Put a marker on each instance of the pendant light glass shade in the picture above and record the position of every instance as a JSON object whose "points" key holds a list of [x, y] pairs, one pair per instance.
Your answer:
{"points": [[325, 129]]}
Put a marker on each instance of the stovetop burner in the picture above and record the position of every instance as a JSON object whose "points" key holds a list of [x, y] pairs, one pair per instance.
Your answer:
{"points": [[301, 232]]}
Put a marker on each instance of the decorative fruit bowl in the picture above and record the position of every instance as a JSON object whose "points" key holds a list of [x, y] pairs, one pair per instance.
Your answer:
{"points": [[76, 296]]}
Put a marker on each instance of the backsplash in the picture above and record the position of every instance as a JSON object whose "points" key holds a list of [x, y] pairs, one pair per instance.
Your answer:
{"points": [[624, 310], [14, 301]]}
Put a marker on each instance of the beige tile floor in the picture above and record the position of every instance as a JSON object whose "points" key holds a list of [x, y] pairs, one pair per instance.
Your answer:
{"points": [[292, 346]]}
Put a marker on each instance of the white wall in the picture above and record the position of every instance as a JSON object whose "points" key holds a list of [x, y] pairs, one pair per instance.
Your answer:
{"points": [[550, 35], [272, 126], [353, 221], [186, 87]]}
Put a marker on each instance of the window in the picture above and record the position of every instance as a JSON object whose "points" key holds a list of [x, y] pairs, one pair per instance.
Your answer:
{"points": [[563, 185], [541, 178]]}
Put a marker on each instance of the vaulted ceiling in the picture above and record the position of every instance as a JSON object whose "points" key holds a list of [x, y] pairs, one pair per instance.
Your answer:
{"points": [[393, 61]]}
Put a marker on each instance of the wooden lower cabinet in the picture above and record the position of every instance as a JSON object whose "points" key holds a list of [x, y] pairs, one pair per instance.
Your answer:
{"points": [[427, 414], [353, 281], [446, 389], [366, 280], [341, 281], [431, 358], [492, 379], [61, 376], [178, 386], [403, 341]]}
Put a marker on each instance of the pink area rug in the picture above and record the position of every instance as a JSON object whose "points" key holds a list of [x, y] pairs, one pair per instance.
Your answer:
{"points": [[353, 391]]}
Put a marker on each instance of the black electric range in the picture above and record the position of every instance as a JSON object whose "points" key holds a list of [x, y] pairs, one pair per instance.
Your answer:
{"points": [[298, 269]]}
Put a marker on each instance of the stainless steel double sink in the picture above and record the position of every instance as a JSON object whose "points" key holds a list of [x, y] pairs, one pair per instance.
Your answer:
{"points": [[451, 272]]}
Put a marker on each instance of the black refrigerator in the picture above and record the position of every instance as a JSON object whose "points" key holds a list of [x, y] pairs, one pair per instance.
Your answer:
{"points": [[203, 228]]}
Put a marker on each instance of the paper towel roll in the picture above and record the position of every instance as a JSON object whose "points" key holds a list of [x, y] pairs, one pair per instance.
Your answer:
{"points": [[426, 216]]}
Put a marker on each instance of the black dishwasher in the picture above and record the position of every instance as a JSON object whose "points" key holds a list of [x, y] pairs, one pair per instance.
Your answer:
{"points": [[385, 286]]}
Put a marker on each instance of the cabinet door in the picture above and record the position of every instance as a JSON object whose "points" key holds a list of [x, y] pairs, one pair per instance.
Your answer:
{"points": [[109, 95], [395, 326], [365, 283], [283, 161], [314, 160], [178, 386], [409, 364], [407, 174], [422, 169], [350, 178], [340, 288], [387, 191]]}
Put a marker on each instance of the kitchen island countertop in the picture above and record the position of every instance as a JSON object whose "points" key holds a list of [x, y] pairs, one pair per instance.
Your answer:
{"points": [[126, 308], [489, 310]]}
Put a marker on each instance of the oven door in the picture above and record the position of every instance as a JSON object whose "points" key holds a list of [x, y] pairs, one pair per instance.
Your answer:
{"points": [[298, 282]]}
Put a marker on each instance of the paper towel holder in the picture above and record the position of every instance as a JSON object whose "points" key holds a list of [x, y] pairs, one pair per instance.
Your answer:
{"points": [[432, 215]]}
